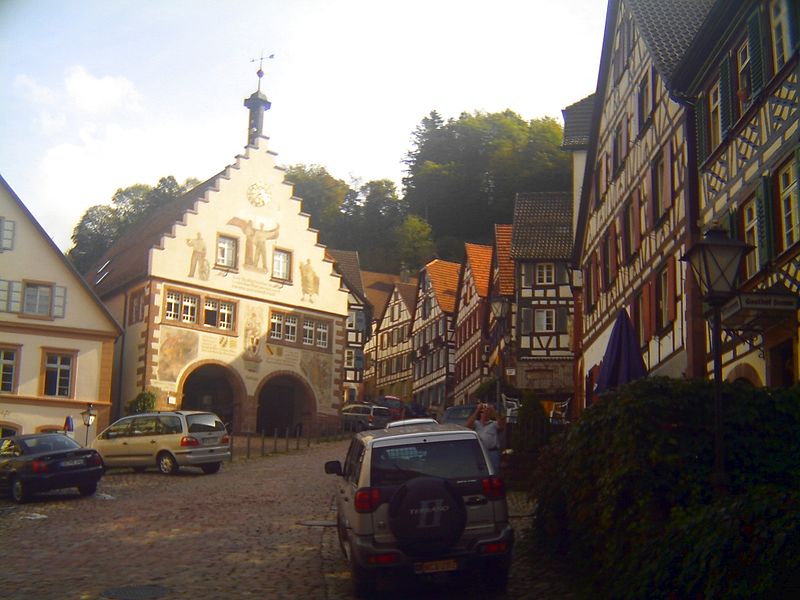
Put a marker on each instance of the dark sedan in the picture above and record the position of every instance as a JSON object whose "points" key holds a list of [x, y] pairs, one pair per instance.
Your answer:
{"points": [[41, 462]]}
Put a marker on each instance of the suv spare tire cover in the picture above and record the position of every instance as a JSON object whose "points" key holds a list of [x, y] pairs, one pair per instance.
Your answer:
{"points": [[426, 515]]}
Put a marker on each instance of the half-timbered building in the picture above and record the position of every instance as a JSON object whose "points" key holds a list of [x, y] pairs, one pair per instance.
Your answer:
{"points": [[633, 224], [740, 79], [471, 348], [393, 337], [431, 330]]}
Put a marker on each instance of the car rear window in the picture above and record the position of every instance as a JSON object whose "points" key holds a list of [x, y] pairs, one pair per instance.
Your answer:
{"points": [[380, 411], [458, 414], [204, 422], [452, 459]]}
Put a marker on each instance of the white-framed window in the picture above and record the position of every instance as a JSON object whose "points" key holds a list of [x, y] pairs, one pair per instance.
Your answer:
{"points": [[282, 265], [8, 369], [308, 332], [751, 237], [351, 319], [290, 328], [663, 299], [211, 313], [714, 122], [644, 102], [779, 27], [743, 86], [189, 308], [173, 307], [349, 358], [58, 374], [276, 326], [7, 228], [322, 335], [545, 274], [790, 204], [545, 320], [226, 314], [37, 299], [226, 252]]}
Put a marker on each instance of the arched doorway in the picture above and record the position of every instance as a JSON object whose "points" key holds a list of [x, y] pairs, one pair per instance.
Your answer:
{"points": [[212, 388], [285, 403]]}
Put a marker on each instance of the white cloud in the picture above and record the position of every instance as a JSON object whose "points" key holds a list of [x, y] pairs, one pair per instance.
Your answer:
{"points": [[94, 94], [32, 90]]}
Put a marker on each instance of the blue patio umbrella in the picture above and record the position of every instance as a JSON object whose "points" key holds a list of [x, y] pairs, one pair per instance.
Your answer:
{"points": [[622, 361], [69, 426]]}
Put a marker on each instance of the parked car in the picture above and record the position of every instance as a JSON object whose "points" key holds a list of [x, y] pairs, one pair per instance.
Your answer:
{"points": [[359, 417], [421, 499], [166, 440], [40, 462], [397, 408], [458, 415]]}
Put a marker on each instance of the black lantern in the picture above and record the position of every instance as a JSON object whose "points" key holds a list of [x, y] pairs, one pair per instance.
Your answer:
{"points": [[88, 416]]}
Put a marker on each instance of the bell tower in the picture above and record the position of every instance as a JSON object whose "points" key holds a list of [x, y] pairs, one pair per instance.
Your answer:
{"points": [[257, 104]]}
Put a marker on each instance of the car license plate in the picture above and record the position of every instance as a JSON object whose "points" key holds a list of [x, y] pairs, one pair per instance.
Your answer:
{"points": [[75, 462], [209, 441], [436, 566]]}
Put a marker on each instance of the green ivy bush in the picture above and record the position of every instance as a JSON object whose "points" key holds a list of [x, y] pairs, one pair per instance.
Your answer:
{"points": [[142, 403], [627, 490]]}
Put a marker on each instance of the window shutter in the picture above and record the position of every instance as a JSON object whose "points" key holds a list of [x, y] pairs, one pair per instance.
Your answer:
{"points": [[612, 252], [360, 321], [637, 218], [666, 176], [15, 296], [526, 320], [59, 301], [562, 276], [733, 224], [756, 55], [561, 319], [725, 95], [672, 296], [649, 221], [6, 234], [4, 285], [595, 279], [701, 128], [649, 302], [765, 224]]}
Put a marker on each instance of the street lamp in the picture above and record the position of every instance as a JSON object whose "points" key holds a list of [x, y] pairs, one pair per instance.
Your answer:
{"points": [[499, 307], [716, 262], [88, 415]]}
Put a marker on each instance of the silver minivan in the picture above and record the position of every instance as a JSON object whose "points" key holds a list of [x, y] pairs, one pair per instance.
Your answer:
{"points": [[360, 417], [166, 440]]}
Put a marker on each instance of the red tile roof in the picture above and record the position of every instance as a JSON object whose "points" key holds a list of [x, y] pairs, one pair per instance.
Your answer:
{"points": [[444, 279], [480, 261]]}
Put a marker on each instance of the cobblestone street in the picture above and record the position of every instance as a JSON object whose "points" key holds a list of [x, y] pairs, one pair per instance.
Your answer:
{"points": [[260, 528]]}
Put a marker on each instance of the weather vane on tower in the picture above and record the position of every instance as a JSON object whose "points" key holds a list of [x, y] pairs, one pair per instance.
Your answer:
{"points": [[260, 71]]}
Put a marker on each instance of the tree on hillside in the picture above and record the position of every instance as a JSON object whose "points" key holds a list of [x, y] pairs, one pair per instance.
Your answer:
{"points": [[323, 197], [473, 167], [103, 224]]}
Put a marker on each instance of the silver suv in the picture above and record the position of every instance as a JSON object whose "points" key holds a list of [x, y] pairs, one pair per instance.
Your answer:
{"points": [[358, 417], [421, 499], [167, 440]]}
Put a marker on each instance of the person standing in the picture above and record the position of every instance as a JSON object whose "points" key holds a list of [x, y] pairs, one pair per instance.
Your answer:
{"points": [[488, 425]]}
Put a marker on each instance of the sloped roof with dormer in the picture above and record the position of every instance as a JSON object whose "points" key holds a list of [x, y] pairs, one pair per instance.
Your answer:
{"points": [[502, 243], [542, 226], [480, 261], [444, 279], [578, 124]]}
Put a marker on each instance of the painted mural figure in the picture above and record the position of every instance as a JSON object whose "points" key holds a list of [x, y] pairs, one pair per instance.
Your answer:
{"points": [[260, 237], [249, 233], [309, 280], [252, 330], [199, 261]]}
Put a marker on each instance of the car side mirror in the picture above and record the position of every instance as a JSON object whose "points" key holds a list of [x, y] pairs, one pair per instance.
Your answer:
{"points": [[333, 467]]}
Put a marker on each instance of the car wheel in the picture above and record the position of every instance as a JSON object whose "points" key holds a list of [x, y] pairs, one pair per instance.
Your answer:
{"points": [[427, 515], [166, 463], [211, 468], [87, 489], [19, 491]]}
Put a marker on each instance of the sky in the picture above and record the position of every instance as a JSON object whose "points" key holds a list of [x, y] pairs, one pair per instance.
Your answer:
{"points": [[97, 95]]}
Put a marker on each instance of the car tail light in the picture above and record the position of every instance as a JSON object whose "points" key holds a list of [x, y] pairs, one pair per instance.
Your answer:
{"points": [[367, 499], [95, 460], [188, 440], [369, 419], [225, 440], [495, 548], [382, 559], [494, 488], [40, 466]]}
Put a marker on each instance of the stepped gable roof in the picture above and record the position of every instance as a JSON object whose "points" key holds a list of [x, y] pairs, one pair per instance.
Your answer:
{"points": [[578, 124], [378, 289], [349, 267], [502, 241], [480, 260], [127, 259], [444, 279], [669, 28], [542, 226]]}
